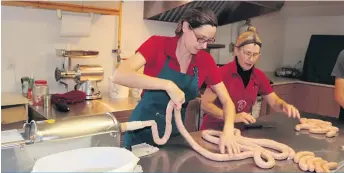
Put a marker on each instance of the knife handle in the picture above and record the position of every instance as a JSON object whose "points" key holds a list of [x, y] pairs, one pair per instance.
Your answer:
{"points": [[253, 126], [62, 107]]}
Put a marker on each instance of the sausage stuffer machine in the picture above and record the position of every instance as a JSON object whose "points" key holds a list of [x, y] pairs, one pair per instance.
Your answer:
{"points": [[85, 76], [43, 138]]}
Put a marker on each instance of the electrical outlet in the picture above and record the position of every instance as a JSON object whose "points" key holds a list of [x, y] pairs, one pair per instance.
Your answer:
{"points": [[11, 64], [231, 47]]}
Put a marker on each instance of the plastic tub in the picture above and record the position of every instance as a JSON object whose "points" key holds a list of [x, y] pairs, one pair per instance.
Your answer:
{"points": [[117, 91], [94, 159]]}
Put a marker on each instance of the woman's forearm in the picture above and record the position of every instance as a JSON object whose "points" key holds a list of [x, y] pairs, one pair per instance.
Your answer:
{"points": [[278, 105], [229, 116], [134, 79], [212, 110], [228, 112]]}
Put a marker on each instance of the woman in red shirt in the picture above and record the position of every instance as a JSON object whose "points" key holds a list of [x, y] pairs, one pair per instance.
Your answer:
{"points": [[243, 82], [174, 69]]}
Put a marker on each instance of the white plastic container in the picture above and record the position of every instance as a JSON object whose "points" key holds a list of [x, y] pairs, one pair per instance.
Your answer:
{"points": [[136, 92], [93, 159], [117, 91]]}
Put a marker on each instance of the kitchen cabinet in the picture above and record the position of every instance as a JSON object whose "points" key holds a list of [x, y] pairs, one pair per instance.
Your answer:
{"points": [[98, 7], [264, 108], [327, 105], [306, 98], [122, 117], [316, 99], [310, 98], [285, 92], [14, 108]]}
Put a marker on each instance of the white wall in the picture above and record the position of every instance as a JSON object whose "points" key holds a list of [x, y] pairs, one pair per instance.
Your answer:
{"points": [[29, 37], [299, 31], [285, 34], [267, 25], [136, 30], [303, 20]]}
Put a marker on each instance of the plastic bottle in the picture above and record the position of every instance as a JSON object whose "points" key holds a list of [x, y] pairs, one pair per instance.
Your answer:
{"points": [[40, 89]]}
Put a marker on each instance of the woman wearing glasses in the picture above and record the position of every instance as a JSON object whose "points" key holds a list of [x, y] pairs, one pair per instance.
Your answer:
{"points": [[243, 82], [174, 69]]}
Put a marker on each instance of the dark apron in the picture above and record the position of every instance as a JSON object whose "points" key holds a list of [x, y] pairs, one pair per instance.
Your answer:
{"points": [[153, 104]]}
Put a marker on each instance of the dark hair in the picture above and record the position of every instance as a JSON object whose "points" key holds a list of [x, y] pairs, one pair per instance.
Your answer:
{"points": [[248, 37], [197, 17]]}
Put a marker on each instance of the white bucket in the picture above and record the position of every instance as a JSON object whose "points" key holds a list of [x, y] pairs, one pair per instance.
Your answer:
{"points": [[117, 91], [94, 159]]}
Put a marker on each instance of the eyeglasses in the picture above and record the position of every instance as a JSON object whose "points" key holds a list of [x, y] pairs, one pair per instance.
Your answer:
{"points": [[249, 54], [202, 39]]}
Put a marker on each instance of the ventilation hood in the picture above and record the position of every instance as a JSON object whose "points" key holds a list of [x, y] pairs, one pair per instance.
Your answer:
{"points": [[227, 11]]}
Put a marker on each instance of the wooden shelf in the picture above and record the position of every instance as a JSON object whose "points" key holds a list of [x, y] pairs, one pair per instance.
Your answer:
{"points": [[103, 7]]}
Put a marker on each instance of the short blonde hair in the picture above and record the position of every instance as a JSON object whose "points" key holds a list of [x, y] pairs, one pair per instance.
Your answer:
{"points": [[248, 37]]}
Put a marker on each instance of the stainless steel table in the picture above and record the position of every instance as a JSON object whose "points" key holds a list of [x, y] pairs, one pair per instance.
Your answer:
{"points": [[177, 156], [88, 107]]}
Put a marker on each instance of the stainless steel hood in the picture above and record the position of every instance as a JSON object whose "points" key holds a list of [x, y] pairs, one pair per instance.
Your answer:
{"points": [[227, 11]]}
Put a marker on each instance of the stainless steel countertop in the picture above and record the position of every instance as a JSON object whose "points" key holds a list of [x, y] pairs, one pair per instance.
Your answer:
{"points": [[88, 107], [284, 80], [177, 156]]}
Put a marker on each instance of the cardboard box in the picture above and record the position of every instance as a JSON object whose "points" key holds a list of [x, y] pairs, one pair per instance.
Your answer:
{"points": [[14, 108]]}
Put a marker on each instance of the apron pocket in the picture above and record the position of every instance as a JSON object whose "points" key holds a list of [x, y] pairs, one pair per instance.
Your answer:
{"points": [[153, 114]]}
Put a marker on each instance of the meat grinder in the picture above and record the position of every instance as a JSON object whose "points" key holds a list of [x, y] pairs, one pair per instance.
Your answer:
{"points": [[46, 137], [86, 77]]}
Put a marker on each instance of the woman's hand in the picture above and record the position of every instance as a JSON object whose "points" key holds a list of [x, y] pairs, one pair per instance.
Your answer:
{"points": [[176, 94], [228, 141], [245, 118], [290, 110]]}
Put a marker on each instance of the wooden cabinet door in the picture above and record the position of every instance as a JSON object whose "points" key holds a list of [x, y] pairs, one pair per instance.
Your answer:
{"points": [[121, 117], [285, 92], [327, 105], [264, 108], [287, 98], [283, 89], [306, 97]]}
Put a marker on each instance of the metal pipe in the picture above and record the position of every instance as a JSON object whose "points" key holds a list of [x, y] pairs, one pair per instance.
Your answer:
{"points": [[72, 127]]}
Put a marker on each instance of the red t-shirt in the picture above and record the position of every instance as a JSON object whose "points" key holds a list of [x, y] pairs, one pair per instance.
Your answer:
{"points": [[243, 98], [156, 49]]}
